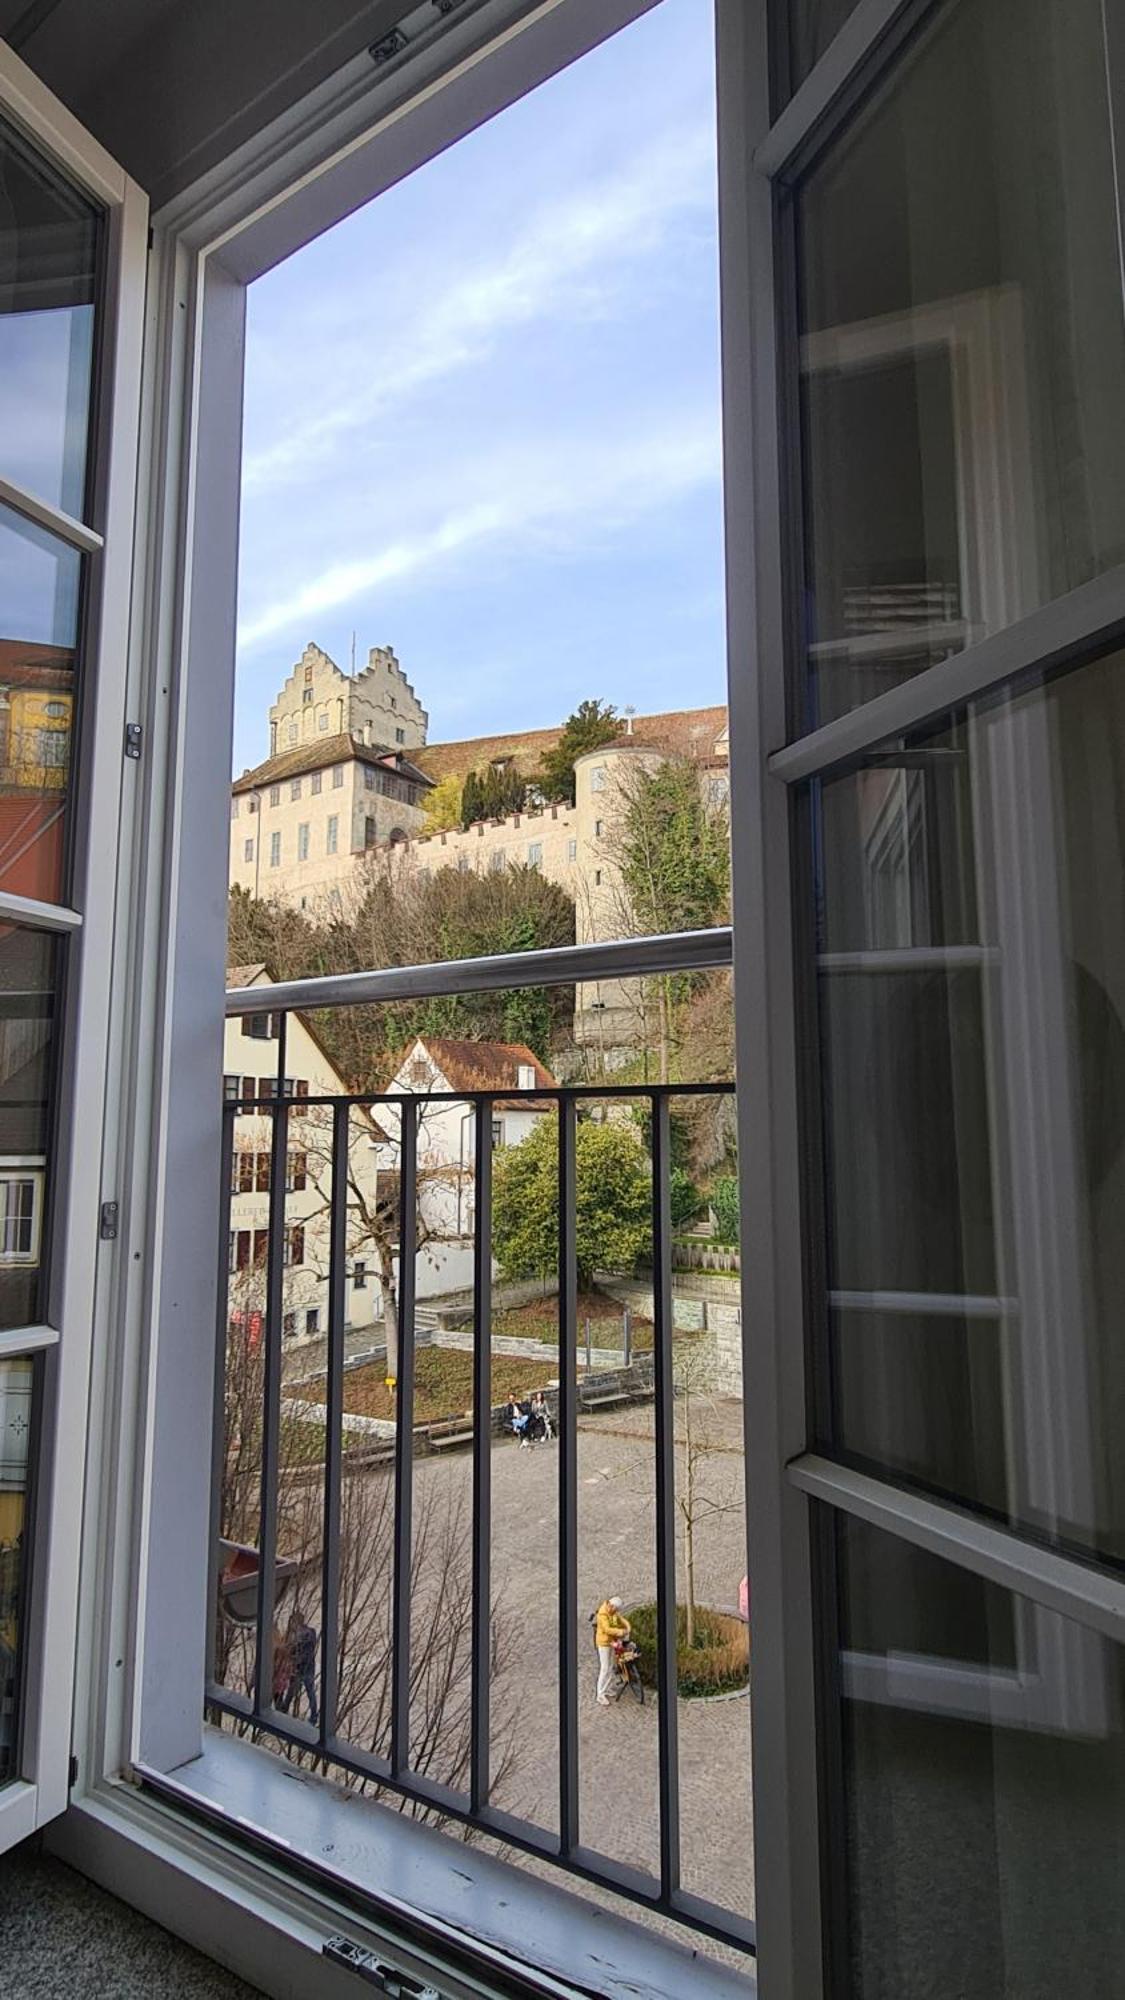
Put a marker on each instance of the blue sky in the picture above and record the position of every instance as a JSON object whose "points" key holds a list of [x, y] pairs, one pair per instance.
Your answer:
{"points": [[482, 415]]}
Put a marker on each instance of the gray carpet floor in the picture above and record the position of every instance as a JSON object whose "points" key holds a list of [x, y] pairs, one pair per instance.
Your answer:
{"points": [[63, 1939]]}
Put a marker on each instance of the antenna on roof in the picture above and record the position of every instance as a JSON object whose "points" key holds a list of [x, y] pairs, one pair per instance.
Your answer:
{"points": [[353, 656]]}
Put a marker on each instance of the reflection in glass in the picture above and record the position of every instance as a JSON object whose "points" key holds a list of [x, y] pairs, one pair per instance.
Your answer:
{"points": [[16, 1382], [48, 258], [28, 980], [39, 601], [957, 336], [984, 1778], [971, 917], [812, 24]]}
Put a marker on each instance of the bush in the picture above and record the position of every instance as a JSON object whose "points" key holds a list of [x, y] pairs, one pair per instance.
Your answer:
{"points": [[686, 1198], [718, 1661], [724, 1201]]}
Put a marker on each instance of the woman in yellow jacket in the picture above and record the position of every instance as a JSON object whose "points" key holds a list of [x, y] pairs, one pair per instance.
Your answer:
{"points": [[610, 1623]]}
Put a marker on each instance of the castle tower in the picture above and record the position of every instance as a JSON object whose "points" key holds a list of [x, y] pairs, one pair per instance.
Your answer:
{"points": [[379, 705]]}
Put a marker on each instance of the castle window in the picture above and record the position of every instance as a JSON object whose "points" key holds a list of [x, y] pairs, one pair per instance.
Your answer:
{"points": [[332, 835], [295, 788], [303, 841], [535, 853], [597, 778], [275, 850], [337, 776], [314, 783], [308, 695], [248, 850], [572, 850], [275, 795], [234, 808], [322, 722], [400, 736]]}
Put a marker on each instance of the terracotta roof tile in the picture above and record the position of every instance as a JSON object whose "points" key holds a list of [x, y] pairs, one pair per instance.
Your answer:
{"points": [[686, 732], [326, 751], [470, 1065]]}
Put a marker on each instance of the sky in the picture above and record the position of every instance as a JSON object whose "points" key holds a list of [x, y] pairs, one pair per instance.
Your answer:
{"points": [[482, 414]]}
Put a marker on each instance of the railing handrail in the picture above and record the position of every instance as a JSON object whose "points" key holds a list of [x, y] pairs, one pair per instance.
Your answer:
{"points": [[559, 965]]}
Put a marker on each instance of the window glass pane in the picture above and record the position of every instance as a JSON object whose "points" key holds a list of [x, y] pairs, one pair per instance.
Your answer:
{"points": [[48, 255], [40, 580], [811, 25], [971, 912], [963, 350], [16, 1384], [984, 1785], [28, 982]]}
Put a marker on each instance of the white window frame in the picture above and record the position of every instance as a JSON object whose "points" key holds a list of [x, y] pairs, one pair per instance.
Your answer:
{"points": [[17, 1173], [145, 1569], [107, 800]]}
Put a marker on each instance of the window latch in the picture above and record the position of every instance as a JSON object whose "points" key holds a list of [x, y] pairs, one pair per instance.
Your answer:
{"points": [[108, 1230], [384, 1978], [134, 736]]}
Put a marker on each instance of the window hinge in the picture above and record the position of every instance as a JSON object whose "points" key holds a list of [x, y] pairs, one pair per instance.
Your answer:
{"points": [[134, 737], [385, 51], [108, 1229], [385, 1978], [72, 1774]]}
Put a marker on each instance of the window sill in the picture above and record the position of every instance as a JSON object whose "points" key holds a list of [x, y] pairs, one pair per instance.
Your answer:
{"points": [[410, 1877]]}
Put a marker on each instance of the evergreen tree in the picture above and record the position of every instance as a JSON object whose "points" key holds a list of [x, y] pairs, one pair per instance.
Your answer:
{"points": [[471, 801], [592, 724]]}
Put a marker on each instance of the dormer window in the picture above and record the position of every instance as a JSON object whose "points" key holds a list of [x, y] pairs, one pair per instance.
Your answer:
{"points": [[525, 1076]]}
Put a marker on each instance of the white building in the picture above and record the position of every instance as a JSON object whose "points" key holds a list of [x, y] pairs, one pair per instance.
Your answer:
{"points": [[249, 1072], [446, 1149]]}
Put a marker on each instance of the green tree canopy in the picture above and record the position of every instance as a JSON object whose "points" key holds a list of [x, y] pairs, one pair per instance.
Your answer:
{"points": [[672, 849], [613, 1186], [592, 724], [405, 917], [492, 794], [442, 806]]}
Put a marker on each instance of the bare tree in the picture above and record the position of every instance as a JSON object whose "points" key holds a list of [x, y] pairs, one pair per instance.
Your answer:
{"points": [[440, 1544], [696, 1500], [374, 1200]]}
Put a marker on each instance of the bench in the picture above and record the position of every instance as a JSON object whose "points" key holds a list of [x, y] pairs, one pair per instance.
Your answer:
{"points": [[447, 1434], [624, 1386]]}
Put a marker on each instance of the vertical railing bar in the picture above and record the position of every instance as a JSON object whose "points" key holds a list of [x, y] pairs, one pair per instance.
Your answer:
{"points": [[271, 1389], [404, 1438], [568, 1483], [333, 1414], [219, 1431], [664, 1394], [480, 1761]]}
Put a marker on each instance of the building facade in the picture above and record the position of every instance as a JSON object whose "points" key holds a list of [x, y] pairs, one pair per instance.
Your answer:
{"points": [[249, 1074]]}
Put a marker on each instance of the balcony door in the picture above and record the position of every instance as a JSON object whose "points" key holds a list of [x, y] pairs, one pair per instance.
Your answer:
{"points": [[72, 251]]}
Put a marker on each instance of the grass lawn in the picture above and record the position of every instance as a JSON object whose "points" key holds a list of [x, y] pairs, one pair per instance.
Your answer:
{"points": [[538, 1320], [443, 1384]]}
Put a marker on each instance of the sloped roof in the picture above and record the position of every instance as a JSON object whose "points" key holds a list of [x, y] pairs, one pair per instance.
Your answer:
{"points": [[468, 1066], [682, 732], [321, 755], [243, 975], [28, 664]]}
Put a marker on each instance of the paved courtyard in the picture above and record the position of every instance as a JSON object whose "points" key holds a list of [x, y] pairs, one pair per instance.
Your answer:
{"points": [[618, 1746]]}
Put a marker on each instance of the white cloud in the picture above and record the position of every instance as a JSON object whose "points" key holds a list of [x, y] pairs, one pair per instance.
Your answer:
{"points": [[570, 496], [568, 263]]}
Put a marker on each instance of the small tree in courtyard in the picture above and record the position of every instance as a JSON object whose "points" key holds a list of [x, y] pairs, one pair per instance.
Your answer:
{"points": [[613, 1188]]}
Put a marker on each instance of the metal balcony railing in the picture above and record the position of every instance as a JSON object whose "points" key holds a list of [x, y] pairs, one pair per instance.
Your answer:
{"points": [[563, 1844]]}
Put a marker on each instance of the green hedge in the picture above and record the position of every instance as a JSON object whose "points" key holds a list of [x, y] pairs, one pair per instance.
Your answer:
{"points": [[719, 1659]]}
